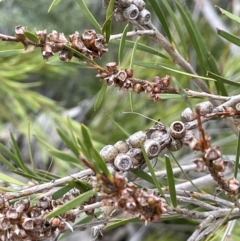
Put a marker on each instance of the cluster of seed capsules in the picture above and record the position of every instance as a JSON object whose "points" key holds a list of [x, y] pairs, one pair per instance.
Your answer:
{"points": [[130, 10], [148, 204], [127, 154], [89, 43], [26, 221], [114, 75]]}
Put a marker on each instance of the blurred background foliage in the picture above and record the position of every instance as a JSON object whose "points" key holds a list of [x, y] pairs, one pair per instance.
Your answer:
{"points": [[37, 92]]}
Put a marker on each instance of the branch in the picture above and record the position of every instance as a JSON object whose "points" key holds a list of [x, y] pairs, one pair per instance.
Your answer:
{"points": [[133, 33], [46, 186]]}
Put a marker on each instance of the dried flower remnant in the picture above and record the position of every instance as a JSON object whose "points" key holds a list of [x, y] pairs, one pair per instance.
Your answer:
{"points": [[89, 43], [121, 194], [114, 75], [212, 159], [25, 220]]}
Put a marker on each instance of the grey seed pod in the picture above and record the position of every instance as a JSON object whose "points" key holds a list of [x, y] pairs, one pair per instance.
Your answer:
{"points": [[205, 107], [136, 163], [135, 153], [157, 134], [131, 12], [123, 162], [122, 146], [139, 3], [175, 145], [125, 3], [161, 136], [188, 115], [189, 139], [118, 14], [144, 17], [108, 153], [137, 138], [238, 106], [177, 129], [152, 148]]}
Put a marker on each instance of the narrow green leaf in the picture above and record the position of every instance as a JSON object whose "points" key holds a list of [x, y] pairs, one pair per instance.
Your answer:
{"points": [[184, 173], [206, 60], [19, 159], [64, 156], [171, 68], [31, 36], [171, 181], [7, 163], [53, 5], [126, 133], [80, 55], [130, 101], [176, 23], [87, 219], [229, 15], [113, 223], [81, 185], [195, 36], [9, 154], [83, 149], [161, 17], [151, 170], [236, 166], [170, 96], [86, 137], [29, 146], [30, 176], [141, 47], [11, 53], [47, 175], [122, 45], [44, 142], [71, 204], [230, 37], [69, 143], [100, 97], [222, 80], [143, 175], [8, 179], [134, 52], [61, 191], [100, 163], [68, 64], [119, 222], [88, 14], [106, 29]]}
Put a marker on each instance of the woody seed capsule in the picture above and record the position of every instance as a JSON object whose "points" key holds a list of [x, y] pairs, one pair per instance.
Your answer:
{"points": [[137, 138], [152, 148], [131, 12], [205, 107], [144, 17], [139, 3], [188, 115], [122, 146], [108, 153], [177, 129], [123, 162]]}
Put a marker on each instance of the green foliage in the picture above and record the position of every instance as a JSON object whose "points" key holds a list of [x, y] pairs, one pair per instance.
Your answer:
{"points": [[30, 86]]}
